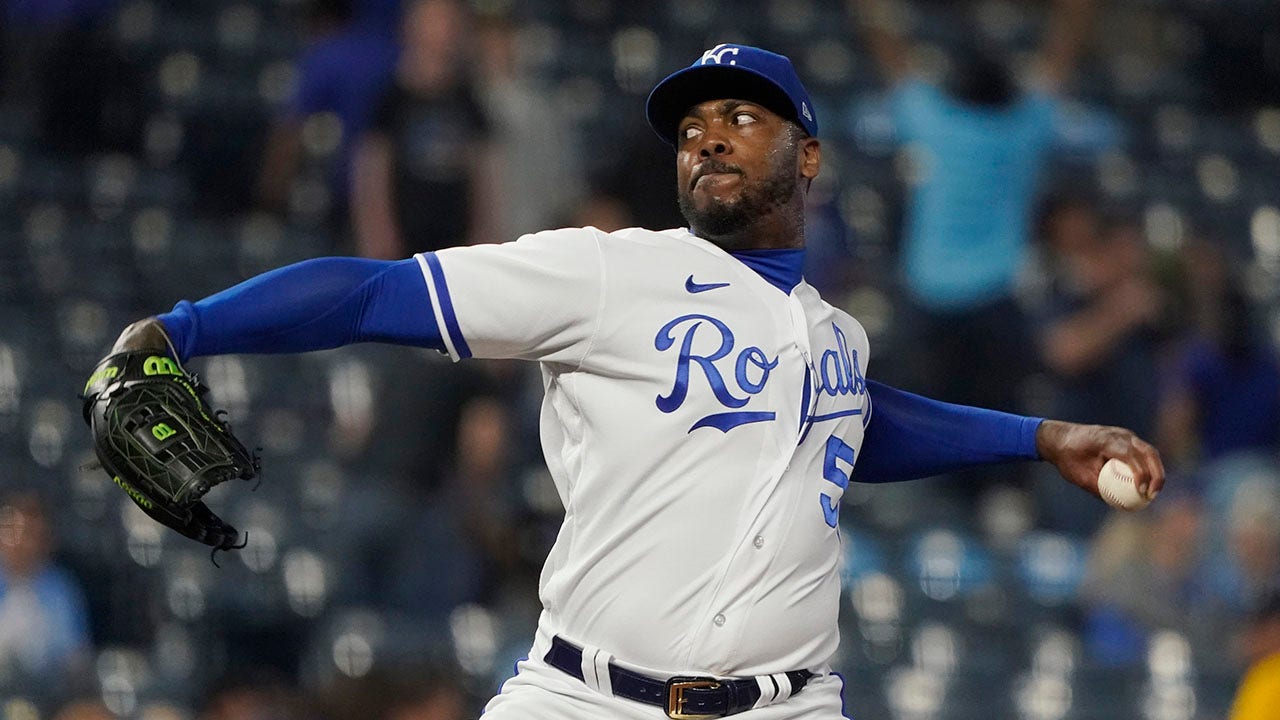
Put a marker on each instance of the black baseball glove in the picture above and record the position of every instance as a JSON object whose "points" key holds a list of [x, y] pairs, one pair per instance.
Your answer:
{"points": [[160, 442]]}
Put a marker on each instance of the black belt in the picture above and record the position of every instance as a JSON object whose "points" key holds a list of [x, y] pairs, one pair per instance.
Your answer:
{"points": [[683, 698]]}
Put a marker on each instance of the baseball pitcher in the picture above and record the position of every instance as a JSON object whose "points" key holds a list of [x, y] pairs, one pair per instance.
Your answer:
{"points": [[704, 412]]}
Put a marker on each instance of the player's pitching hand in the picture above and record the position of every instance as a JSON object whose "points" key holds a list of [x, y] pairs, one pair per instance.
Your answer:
{"points": [[1079, 452]]}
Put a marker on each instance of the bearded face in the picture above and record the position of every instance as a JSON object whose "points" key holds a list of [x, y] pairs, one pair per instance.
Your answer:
{"points": [[737, 163], [715, 207]]}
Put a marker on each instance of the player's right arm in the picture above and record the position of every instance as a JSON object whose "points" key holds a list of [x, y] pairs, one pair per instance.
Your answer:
{"points": [[910, 437]]}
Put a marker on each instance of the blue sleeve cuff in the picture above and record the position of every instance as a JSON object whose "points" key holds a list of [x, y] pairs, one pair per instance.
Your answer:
{"points": [[180, 324], [1027, 437]]}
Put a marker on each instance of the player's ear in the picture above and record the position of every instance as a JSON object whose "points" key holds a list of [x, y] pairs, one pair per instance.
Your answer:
{"points": [[810, 157]]}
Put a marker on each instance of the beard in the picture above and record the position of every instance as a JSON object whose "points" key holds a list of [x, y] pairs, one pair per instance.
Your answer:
{"points": [[722, 218]]}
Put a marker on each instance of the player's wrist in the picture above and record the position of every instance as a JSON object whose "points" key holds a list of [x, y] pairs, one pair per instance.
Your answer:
{"points": [[143, 335], [1049, 434]]}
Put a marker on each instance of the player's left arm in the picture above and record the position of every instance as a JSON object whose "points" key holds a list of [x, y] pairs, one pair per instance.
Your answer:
{"points": [[911, 437], [537, 298], [312, 305]]}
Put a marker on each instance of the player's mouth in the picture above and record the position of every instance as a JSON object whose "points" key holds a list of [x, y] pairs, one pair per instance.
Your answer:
{"points": [[713, 171], [711, 181]]}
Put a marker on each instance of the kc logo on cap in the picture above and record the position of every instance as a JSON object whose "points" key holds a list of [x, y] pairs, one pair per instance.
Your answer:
{"points": [[717, 53]]}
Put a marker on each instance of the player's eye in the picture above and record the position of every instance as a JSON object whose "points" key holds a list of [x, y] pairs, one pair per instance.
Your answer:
{"points": [[743, 118], [690, 132]]}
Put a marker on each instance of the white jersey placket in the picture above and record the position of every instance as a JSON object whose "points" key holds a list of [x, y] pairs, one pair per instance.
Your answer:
{"points": [[724, 621]]}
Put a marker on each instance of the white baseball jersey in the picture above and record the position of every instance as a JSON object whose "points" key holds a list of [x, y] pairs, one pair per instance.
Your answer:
{"points": [[700, 425]]}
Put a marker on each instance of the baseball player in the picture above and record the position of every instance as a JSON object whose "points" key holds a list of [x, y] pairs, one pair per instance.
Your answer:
{"points": [[705, 410]]}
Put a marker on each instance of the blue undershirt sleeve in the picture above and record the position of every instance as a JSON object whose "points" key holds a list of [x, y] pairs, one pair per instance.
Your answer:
{"points": [[312, 305], [911, 437]]}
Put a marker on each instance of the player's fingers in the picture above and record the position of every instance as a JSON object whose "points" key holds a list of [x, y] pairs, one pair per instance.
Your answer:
{"points": [[1141, 472], [1143, 459], [1150, 458], [1124, 445]]}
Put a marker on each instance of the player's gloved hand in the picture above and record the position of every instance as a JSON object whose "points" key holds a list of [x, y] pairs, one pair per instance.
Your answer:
{"points": [[160, 441], [1080, 451]]}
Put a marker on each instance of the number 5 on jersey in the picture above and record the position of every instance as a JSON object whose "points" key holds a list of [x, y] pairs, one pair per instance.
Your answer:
{"points": [[837, 450]]}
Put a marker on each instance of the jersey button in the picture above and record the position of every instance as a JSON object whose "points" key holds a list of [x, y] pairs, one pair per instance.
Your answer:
{"points": [[758, 541], [718, 619]]}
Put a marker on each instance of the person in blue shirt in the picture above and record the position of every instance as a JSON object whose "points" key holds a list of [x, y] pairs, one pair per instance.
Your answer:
{"points": [[1222, 394], [44, 622], [979, 145], [344, 70]]}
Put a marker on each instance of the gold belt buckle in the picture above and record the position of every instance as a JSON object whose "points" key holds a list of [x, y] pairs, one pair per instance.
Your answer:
{"points": [[675, 697]]}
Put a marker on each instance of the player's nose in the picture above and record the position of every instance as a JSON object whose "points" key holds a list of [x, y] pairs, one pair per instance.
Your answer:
{"points": [[713, 143], [713, 148]]}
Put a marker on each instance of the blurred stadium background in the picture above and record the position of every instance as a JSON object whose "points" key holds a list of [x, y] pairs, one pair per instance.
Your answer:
{"points": [[155, 150]]}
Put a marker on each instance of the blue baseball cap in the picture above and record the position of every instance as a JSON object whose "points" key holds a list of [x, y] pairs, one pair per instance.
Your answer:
{"points": [[731, 71]]}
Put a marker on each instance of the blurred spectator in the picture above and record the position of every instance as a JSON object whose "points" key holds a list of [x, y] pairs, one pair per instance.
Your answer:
{"points": [[639, 176], [466, 521], [47, 13], [252, 694], [1258, 696], [1143, 576], [602, 211], [979, 146], [829, 264], [408, 694], [84, 710], [33, 31], [59, 57], [378, 14], [440, 451], [426, 174], [542, 172], [1183, 565], [442, 702], [1239, 39], [1246, 567], [1099, 339], [44, 630], [344, 70], [1223, 393], [1099, 335]]}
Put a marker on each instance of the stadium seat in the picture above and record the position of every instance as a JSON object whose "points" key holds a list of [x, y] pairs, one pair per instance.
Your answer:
{"points": [[1051, 567], [946, 565]]}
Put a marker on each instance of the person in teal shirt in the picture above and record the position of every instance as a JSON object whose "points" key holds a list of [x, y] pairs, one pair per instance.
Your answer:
{"points": [[979, 145]]}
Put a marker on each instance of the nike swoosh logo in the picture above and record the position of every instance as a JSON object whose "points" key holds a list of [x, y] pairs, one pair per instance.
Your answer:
{"points": [[694, 287]]}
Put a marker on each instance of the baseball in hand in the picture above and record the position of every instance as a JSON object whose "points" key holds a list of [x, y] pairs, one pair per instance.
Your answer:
{"points": [[1119, 488]]}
